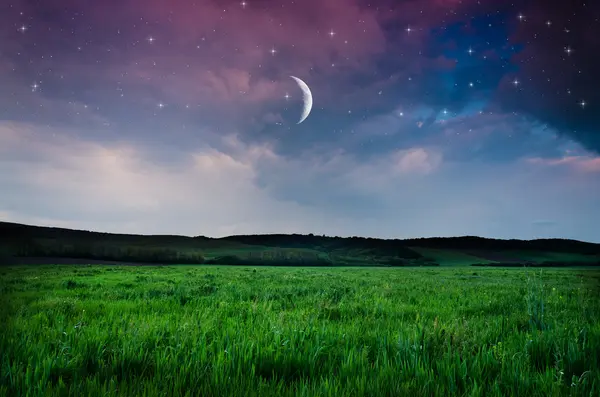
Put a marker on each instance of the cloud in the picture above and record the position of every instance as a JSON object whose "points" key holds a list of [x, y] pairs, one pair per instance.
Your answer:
{"points": [[218, 53], [417, 160], [553, 82], [119, 187], [222, 86], [580, 163], [54, 178]]}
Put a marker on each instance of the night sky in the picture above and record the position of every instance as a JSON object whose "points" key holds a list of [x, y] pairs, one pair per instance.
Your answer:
{"points": [[430, 117]]}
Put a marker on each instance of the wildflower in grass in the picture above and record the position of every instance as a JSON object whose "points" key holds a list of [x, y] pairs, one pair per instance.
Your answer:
{"points": [[498, 351]]}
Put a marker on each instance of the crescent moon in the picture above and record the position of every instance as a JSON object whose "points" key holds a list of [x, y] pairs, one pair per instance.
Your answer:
{"points": [[306, 97]]}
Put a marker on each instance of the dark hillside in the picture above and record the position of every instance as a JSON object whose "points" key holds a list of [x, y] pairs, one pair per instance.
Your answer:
{"points": [[17, 240], [481, 243], [371, 246]]}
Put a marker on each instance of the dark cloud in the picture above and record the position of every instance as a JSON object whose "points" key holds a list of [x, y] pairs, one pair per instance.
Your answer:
{"points": [[554, 82]]}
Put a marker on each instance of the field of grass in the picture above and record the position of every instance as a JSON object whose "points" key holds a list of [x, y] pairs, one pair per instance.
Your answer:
{"points": [[220, 331], [533, 256], [447, 257]]}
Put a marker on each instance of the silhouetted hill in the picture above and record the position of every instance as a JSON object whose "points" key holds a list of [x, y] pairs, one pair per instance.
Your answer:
{"points": [[18, 240], [325, 243], [481, 243]]}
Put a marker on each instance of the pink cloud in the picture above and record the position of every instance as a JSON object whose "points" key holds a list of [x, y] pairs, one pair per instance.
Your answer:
{"points": [[444, 63], [302, 28], [219, 85], [6, 67], [416, 161], [581, 163], [452, 3], [218, 52], [241, 37]]}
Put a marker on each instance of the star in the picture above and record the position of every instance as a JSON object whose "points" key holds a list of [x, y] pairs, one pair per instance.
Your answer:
{"points": [[548, 23], [568, 50], [287, 96], [243, 4], [150, 39], [23, 29], [582, 104], [471, 84], [331, 33], [273, 51], [521, 17], [34, 87], [408, 30], [161, 105], [470, 51], [516, 82]]}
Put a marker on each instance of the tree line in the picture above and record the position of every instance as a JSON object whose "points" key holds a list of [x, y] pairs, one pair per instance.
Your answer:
{"points": [[125, 253]]}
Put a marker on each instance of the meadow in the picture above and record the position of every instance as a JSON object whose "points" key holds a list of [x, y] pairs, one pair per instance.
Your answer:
{"points": [[70, 330]]}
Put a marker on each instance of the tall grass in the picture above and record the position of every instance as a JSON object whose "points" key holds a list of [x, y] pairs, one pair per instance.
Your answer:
{"points": [[219, 331], [535, 301]]}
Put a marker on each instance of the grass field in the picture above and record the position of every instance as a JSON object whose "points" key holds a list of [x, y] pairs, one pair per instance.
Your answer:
{"points": [[220, 331], [451, 257], [447, 257]]}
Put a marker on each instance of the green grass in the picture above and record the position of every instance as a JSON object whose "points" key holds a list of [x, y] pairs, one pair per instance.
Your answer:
{"points": [[535, 256], [219, 331], [447, 257], [539, 256], [451, 257]]}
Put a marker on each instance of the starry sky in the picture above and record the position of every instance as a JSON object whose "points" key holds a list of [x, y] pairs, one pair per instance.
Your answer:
{"points": [[430, 117]]}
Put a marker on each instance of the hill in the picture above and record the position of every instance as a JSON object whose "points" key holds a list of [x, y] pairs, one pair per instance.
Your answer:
{"points": [[19, 241]]}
